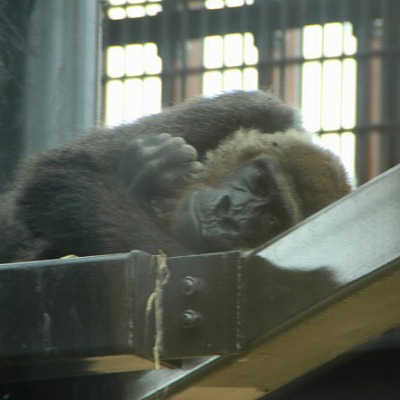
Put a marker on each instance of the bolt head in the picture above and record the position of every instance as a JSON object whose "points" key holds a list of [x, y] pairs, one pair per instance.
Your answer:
{"points": [[191, 286], [191, 319]]}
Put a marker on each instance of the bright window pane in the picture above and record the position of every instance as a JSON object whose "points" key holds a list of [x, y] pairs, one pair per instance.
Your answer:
{"points": [[331, 95], [114, 109], [312, 42], [115, 62], [311, 95], [333, 40], [231, 50], [213, 52], [212, 83], [329, 87], [133, 94]]}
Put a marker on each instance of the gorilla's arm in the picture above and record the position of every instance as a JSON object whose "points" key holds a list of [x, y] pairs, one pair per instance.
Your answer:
{"points": [[66, 202], [205, 121]]}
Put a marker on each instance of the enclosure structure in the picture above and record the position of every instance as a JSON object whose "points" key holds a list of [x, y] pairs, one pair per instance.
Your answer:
{"points": [[181, 37]]}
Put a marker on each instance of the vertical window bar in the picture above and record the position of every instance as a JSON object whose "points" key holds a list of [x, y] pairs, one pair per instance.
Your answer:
{"points": [[282, 50], [303, 12], [322, 17], [193, 48], [224, 30], [244, 17], [204, 26], [347, 139], [183, 42], [390, 79], [378, 151], [293, 52], [264, 43], [166, 49], [363, 163]]}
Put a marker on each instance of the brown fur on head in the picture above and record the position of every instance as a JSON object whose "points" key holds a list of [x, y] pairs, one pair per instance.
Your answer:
{"points": [[317, 174]]}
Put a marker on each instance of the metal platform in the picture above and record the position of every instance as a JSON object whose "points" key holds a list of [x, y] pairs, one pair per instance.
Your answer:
{"points": [[225, 325]]}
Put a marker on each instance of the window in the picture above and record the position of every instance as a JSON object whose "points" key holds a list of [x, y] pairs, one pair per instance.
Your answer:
{"points": [[328, 94], [158, 53]]}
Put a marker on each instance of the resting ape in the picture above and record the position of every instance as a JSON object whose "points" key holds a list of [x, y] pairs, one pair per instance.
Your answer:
{"points": [[203, 176]]}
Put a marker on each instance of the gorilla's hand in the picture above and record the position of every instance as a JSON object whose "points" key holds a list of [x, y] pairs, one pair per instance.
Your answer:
{"points": [[158, 165]]}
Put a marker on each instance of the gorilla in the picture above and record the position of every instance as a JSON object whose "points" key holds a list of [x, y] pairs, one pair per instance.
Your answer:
{"points": [[212, 174]]}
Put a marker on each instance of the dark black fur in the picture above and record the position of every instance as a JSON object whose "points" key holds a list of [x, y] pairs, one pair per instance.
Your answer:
{"points": [[107, 191]]}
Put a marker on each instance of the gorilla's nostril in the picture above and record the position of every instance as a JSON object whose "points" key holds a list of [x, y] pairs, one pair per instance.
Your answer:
{"points": [[223, 207], [273, 221]]}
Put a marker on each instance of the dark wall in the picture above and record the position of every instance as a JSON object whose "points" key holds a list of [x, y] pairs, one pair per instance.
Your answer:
{"points": [[49, 79], [14, 16]]}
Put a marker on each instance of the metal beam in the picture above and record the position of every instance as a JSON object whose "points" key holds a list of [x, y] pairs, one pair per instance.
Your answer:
{"points": [[320, 289], [74, 316], [307, 297]]}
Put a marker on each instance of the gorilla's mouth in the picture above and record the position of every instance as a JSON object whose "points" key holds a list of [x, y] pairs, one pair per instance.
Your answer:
{"points": [[208, 238], [196, 233], [217, 235]]}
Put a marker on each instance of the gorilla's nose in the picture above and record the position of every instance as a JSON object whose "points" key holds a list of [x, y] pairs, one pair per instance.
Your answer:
{"points": [[223, 206]]}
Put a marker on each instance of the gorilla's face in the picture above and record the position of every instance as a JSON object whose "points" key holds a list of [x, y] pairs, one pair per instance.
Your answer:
{"points": [[249, 207]]}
